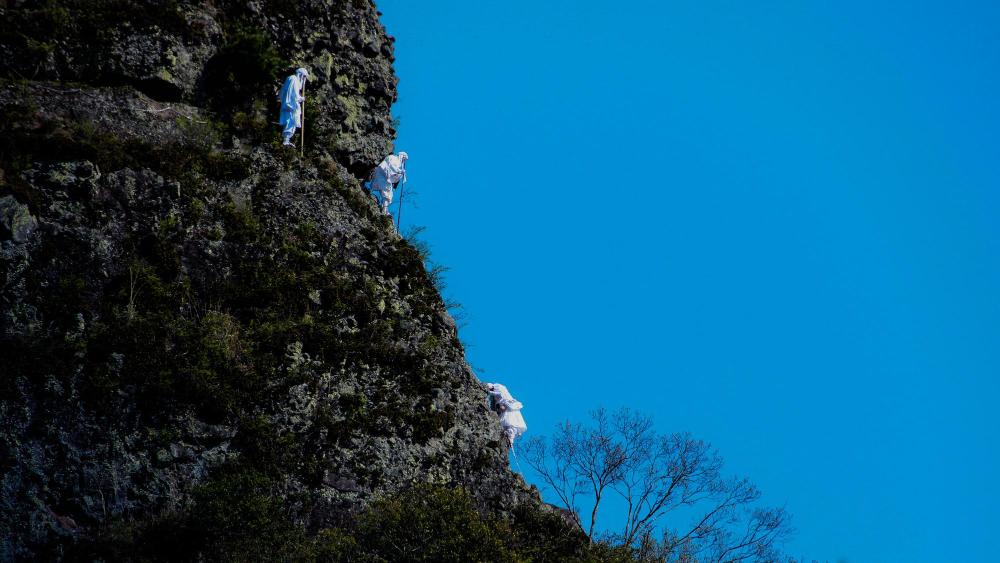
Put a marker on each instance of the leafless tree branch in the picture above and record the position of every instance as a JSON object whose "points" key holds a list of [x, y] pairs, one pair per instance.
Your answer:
{"points": [[656, 475]]}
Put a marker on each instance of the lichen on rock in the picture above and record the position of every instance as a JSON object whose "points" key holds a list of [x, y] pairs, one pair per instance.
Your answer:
{"points": [[16, 221], [195, 318]]}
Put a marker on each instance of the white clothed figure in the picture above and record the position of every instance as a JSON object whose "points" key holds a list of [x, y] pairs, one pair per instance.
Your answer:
{"points": [[510, 411], [290, 97], [387, 174]]}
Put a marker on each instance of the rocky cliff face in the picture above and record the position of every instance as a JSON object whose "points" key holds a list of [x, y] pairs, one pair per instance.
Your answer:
{"points": [[193, 317]]}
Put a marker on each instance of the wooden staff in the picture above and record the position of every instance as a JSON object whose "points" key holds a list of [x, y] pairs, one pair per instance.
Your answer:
{"points": [[302, 143]]}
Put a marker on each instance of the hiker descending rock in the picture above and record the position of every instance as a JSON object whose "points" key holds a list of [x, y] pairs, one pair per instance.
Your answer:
{"points": [[390, 172], [510, 411], [291, 97]]}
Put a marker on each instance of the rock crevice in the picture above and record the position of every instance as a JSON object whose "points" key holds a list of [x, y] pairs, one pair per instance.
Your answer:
{"points": [[191, 314]]}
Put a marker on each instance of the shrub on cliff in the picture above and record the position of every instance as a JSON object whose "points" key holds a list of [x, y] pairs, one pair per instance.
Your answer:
{"points": [[234, 518]]}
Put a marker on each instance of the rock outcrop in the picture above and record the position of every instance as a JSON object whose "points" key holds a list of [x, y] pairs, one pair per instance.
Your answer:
{"points": [[216, 54], [190, 313]]}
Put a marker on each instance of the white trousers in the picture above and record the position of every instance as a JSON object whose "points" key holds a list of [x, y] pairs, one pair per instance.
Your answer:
{"points": [[513, 425], [381, 184], [290, 121]]}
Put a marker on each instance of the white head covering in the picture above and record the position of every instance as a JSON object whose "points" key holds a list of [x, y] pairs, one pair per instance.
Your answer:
{"points": [[302, 73]]}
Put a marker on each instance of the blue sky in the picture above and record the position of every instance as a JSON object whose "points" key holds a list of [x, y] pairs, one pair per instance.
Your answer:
{"points": [[771, 224]]}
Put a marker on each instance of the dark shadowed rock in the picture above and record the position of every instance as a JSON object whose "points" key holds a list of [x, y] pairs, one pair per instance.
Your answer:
{"points": [[16, 222], [185, 305]]}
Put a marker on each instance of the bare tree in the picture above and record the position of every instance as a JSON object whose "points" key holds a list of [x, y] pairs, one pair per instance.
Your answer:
{"points": [[580, 461], [655, 475]]}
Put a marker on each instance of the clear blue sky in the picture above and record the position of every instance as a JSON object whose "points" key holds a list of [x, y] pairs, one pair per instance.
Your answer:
{"points": [[773, 224]]}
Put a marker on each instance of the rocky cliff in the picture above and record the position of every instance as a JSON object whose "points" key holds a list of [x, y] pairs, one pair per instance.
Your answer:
{"points": [[194, 319]]}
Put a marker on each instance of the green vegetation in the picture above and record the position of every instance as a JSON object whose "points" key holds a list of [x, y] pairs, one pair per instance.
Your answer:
{"points": [[235, 518], [239, 78], [158, 339], [240, 81], [435, 272], [157, 342], [33, 28], [193, 303], [30, 137]]}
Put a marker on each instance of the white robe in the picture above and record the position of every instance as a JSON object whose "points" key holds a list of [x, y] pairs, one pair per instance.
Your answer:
{"points": [[291, 99], [390, 171], [511, 420]]}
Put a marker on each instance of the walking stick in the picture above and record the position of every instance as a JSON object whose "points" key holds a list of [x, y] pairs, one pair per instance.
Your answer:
{"points": [[399, 212], [302, 142]]}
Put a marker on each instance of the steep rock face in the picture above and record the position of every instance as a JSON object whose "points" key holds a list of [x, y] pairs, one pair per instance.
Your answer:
{"points": [[192, 315], [191, 51]]}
